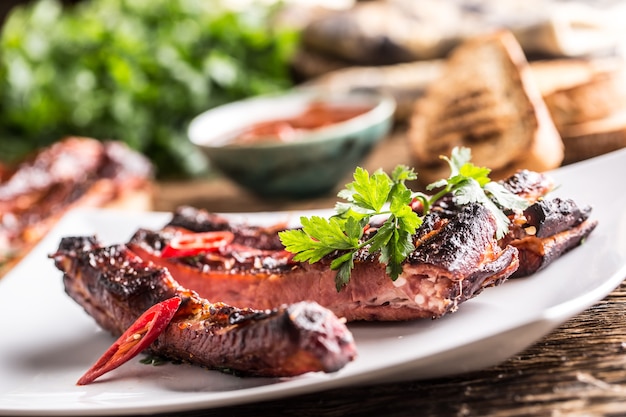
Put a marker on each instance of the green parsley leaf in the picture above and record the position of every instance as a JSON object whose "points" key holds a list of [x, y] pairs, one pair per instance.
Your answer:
{"points": [[379, 194], [343, 265], [365, 197], [469, 183], [504, 197], [370, 192], [318, 237]]}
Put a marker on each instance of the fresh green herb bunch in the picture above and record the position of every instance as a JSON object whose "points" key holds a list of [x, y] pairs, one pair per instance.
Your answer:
{"points": [[133, 70], [379, 194]]}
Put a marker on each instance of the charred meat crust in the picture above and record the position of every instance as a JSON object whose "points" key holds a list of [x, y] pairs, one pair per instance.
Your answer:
{"points": [[73, 172], [115, 286], [192, 219], [455, 258], [545, 231], [549, 217], [537, 253], [529, 185], [548, 228], [465, 250]]}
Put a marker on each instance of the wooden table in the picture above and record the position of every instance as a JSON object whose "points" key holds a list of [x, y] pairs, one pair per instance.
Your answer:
{"points": [[579, 369]]}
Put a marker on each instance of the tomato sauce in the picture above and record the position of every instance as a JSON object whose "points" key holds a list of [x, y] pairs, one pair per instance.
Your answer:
{"points": [[317, 115]]}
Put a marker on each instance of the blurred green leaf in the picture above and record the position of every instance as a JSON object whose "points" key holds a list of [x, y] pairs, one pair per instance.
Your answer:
{"points": [[133, 70]]}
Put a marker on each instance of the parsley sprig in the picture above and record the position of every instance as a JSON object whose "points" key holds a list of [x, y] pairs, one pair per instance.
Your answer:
{"points": [[469, 183], [379, 194]]}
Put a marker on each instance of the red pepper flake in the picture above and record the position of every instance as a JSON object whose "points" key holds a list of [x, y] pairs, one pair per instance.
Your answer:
{"points": [[135, 339]]}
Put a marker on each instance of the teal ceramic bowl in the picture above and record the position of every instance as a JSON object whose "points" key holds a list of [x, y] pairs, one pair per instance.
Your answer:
{"points": [[310, 164]]}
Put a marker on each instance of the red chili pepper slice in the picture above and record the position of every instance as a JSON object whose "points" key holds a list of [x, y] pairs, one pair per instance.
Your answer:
{"points": [[191, 244], [136, 338]]}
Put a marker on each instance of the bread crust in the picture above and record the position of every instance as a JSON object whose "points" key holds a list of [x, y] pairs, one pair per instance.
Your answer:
{"points": [[594, 138], [593, 100], [485, 99]]}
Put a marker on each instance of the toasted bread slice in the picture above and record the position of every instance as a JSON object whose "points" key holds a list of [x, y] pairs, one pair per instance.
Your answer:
{"points": [[579, 91], [599, 98], [485, 99], [553, 75], [590, 139]]}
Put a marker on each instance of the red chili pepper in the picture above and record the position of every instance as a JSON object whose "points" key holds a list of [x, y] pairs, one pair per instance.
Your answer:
{"points": [[135, 339], [191, 244]]}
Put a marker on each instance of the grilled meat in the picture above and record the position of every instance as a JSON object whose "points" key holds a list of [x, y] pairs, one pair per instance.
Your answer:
{"points": [[455, 259], [71, 173], [115, 287], [546, 230], [549, 217], [543, 232], [262, 238], [530, 185]]}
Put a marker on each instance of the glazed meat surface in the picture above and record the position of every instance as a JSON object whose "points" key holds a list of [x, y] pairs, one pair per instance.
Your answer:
{"points": [[456, 257], [115, 287], [546, 230], [74, 172], [543, 232], [454, 260]]}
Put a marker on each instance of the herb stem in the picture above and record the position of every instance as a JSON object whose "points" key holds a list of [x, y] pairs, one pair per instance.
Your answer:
{"points": [[436, 197]]}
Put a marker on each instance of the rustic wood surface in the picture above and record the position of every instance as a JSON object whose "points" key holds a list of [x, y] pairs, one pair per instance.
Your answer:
{"points": [[578, 370]]}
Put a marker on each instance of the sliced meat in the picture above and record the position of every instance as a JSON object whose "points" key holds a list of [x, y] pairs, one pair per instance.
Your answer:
{"points": [[455, 259], [115, 287]]}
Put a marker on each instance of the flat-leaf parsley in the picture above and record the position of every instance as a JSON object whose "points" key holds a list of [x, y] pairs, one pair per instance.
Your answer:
{"points": [[379, 194]]}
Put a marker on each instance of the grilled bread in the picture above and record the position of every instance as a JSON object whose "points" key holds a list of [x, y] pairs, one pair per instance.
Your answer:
{"points": [[485, 99], [580, 91], [587, 101], [594, 138]]}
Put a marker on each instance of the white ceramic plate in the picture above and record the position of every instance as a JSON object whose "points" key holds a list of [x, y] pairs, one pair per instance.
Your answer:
{"points": [[48, 341]]}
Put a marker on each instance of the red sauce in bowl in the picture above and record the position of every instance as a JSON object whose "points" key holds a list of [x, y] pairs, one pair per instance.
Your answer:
{"points": [[317, 115]]}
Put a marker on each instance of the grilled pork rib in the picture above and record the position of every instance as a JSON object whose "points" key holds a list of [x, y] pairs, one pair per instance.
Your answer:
{"points": [[456, 257], [543, 232], [115, 287], [454, 260], [70, 173], [548, 228]]}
